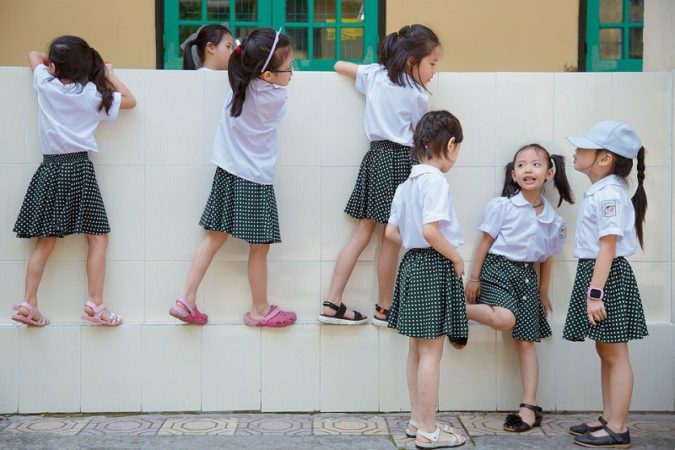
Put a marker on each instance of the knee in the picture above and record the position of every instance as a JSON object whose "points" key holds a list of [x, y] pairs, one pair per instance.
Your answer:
{"points": [[504, 322], [97, 240], [216, 237], [259, 249]]}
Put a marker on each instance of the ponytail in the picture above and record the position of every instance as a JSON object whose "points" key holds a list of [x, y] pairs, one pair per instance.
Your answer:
{"points": [[188, 57], [403, 50], [560, 180], [510, 187], [208, 34], [639, 199], [97, 76]]}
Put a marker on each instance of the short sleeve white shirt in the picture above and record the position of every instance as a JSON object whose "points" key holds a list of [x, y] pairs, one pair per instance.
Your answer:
{"points": [[68, 114], [519, 233], [606, 210], [246, 146], [392, 111], [424, 198]]}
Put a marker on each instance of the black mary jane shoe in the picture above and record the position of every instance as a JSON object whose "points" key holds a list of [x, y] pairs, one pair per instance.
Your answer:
{"points": [[515, 423], [457, 343], [612, 440], [582, 428]]}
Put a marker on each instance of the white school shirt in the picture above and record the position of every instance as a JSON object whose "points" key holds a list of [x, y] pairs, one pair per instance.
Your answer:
{"points": [[606, 209], [392, 111], [68, 113], [246, 146], [519, 233], [424, 198]]}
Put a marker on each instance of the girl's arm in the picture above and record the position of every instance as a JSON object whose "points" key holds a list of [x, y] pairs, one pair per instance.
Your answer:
{"points": [[346, 68], [472, 290], [393, 233], [435, 238], [544, 284], [603, 263], [128, 99], [36, 58]]}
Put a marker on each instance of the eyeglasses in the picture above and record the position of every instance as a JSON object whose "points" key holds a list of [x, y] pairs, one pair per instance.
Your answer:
{"points": [[283, 71]]}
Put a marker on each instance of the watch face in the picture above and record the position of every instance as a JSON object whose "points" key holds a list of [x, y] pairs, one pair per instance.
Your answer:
{"points": [[595, 293]]}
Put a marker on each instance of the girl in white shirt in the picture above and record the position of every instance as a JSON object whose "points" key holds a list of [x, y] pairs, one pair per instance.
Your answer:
{"points": [[605, 304], [520, 228], [428, 301], [209, 49], [242, 201], [396, 98], [75, 91]]}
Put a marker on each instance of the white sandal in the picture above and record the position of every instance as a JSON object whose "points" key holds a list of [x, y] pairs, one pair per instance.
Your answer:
{"points": [[409, 432], [455, 441]]}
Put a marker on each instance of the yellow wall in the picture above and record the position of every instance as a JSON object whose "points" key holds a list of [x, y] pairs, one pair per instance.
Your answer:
{"points": [[496, 35], [123, 31]]}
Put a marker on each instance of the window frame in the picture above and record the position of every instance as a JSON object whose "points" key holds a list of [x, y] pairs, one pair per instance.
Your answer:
{"points": [[593, 62]]}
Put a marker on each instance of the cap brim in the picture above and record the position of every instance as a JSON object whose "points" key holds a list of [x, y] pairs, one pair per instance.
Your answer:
{"points": [[583, 142]]}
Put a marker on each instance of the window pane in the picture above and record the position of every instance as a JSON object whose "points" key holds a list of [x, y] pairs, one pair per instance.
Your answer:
{"points": [[324, 10], [246, 10], [611, 11], [351, 46], [610, 43], [296, 11], [352, 11], [190, 10], [324, 43], [636, 13], [218, 10], [299, 41], [242, 32], [635, 43]]}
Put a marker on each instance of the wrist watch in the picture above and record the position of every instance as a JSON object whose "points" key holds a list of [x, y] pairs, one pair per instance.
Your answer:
{"points": [[595, 293]]}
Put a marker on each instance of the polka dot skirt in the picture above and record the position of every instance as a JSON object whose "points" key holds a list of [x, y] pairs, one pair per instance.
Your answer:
{"points": [[63, 198], [428, 298], [242, 208], [514, 285], [385, 166], [625, 317]]}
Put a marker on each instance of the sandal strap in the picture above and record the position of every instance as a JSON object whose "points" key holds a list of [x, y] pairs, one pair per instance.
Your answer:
{"points": [[533, 408], [602, 420], [433, 437], [381, 310], [613, 434]]}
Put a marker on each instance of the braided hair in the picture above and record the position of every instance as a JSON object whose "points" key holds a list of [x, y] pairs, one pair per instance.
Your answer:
{"points": [[433, 133], [401, 51], [622, 167]]}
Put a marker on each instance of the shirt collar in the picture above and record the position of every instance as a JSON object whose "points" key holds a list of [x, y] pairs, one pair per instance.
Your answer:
{"points": [[546, 216], [421, 169], [609, 180]]}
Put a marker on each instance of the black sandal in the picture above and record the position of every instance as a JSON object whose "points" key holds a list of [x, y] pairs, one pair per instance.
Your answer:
{"points": [[583, 428], [514, 423], [458, 343], [339, 317], [380, 322], [613, 439]]}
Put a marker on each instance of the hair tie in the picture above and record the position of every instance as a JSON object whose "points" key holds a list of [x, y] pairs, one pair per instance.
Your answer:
{"points": [[238, 50]]}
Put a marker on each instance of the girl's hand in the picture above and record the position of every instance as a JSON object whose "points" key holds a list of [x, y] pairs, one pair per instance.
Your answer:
{"points": [[596, 311], [108, 69], [459, 267], [546, 304], [472, 291]]}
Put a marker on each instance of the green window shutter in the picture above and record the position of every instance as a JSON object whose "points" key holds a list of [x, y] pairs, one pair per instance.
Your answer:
{"points": [[614, 35]]}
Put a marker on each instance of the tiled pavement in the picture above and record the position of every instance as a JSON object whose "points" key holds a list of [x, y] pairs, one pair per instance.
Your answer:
{"points": [[387, 428]]}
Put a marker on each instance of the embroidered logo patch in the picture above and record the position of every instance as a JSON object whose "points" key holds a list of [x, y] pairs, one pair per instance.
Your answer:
{"points": [[562, 234], [609, 208]]}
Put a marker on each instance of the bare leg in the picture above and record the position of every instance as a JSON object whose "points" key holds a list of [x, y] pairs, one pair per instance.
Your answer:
{"points": [[346, 262], [428, 368], [529, 377], [257, 279], [200, 263], [499, 318], [34, 271], [387, 262], [620, 385], [411, 377]]}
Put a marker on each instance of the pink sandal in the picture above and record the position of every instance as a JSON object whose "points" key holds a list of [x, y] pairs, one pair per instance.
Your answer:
{"points": [[187, 313], [275, 318], [28, 319], [113, 319]]}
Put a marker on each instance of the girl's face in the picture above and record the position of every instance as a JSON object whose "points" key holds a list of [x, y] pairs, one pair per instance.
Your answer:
{"points": [[531, 169], [424, 72], [218, 56], [282, 75], [595, 164]]}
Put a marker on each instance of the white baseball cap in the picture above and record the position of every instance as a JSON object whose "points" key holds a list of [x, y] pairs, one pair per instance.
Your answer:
{"points": [[616, 137]]}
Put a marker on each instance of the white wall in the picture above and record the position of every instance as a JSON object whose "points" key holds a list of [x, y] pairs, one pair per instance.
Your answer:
{"points": [[155, 175]]}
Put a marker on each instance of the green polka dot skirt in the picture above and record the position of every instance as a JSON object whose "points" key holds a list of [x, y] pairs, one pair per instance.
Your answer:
{"points": [[625, 318], [385, 166], [242, 208], [63, 198], [428, 297], [514, 285]]}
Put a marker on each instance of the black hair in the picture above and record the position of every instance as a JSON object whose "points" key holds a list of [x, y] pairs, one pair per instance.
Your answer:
{"points": [[622, 167], [403, 50], [213, 34], [556, 162], [248, 60], [433, 132], [76, 61]]}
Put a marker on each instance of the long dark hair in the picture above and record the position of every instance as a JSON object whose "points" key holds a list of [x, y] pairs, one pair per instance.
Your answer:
{"points": [[213, 34], [76, 61], [433, 132], [556, 162], [248, 60], [409, 45], [622, 168]]}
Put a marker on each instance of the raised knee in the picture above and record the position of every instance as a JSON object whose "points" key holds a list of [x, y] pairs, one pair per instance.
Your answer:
{"points": [[504, 323]]}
